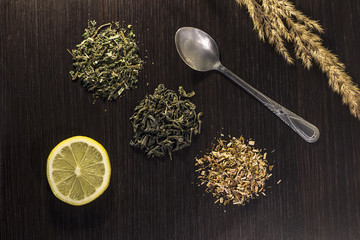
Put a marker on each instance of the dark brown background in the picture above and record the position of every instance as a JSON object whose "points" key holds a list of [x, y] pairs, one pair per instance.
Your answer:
{"points": [[318, 197]]}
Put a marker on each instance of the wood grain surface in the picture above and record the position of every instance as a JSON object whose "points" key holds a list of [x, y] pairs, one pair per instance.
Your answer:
{"points": [[318, 198]]}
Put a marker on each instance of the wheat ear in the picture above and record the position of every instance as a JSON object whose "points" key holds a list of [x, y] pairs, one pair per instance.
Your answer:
{"points": [[278, 21]]}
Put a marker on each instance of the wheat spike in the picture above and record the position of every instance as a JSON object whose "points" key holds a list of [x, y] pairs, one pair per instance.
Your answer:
{"points": [[277, 21]]}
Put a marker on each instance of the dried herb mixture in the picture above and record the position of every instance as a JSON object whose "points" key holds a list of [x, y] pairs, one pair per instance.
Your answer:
{"points": [[164, 122], [234, 171], [107, 62]]}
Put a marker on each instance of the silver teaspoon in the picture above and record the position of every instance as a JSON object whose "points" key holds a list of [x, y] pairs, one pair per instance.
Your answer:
{"points": [[200, 52]]}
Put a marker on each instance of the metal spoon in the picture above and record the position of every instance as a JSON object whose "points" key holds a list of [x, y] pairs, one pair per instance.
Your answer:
{"points": [[200, 52]]}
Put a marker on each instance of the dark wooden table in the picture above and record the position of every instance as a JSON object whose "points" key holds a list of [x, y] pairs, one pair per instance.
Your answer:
{"points": [[318, 198]]}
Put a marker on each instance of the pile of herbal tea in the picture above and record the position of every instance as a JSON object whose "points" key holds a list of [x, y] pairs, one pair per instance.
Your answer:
{"points": [[164, 122], [107, 62], [234, 171]]}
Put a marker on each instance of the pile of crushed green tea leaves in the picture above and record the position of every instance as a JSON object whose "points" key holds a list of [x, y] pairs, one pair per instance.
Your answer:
{"points": [[164, 122], [234, 171], [107, 62]]}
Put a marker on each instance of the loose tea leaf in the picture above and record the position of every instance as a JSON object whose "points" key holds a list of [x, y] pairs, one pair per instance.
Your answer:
{"points": [[165, 122], [234, 171], [107, 62]]}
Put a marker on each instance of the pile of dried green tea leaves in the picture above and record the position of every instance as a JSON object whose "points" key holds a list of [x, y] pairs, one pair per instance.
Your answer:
{"points": [[234, 171], [164, 122], [107, 62]]}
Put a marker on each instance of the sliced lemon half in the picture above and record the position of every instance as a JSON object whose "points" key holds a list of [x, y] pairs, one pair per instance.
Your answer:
{"points": [[78, 170]]}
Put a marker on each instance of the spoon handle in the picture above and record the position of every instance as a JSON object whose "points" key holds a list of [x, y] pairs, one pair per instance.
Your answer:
{"points": [[306, 130]]}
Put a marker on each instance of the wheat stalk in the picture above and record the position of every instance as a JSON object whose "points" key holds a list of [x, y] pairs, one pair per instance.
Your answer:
{"points": [[278, 21]]}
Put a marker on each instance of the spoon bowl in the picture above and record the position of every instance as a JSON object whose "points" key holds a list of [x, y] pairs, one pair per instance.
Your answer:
{"points": [[200, 52], [197, 49]]}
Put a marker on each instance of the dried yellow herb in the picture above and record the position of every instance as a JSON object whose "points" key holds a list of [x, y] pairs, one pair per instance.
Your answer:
{"points": [[234, 171]]}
